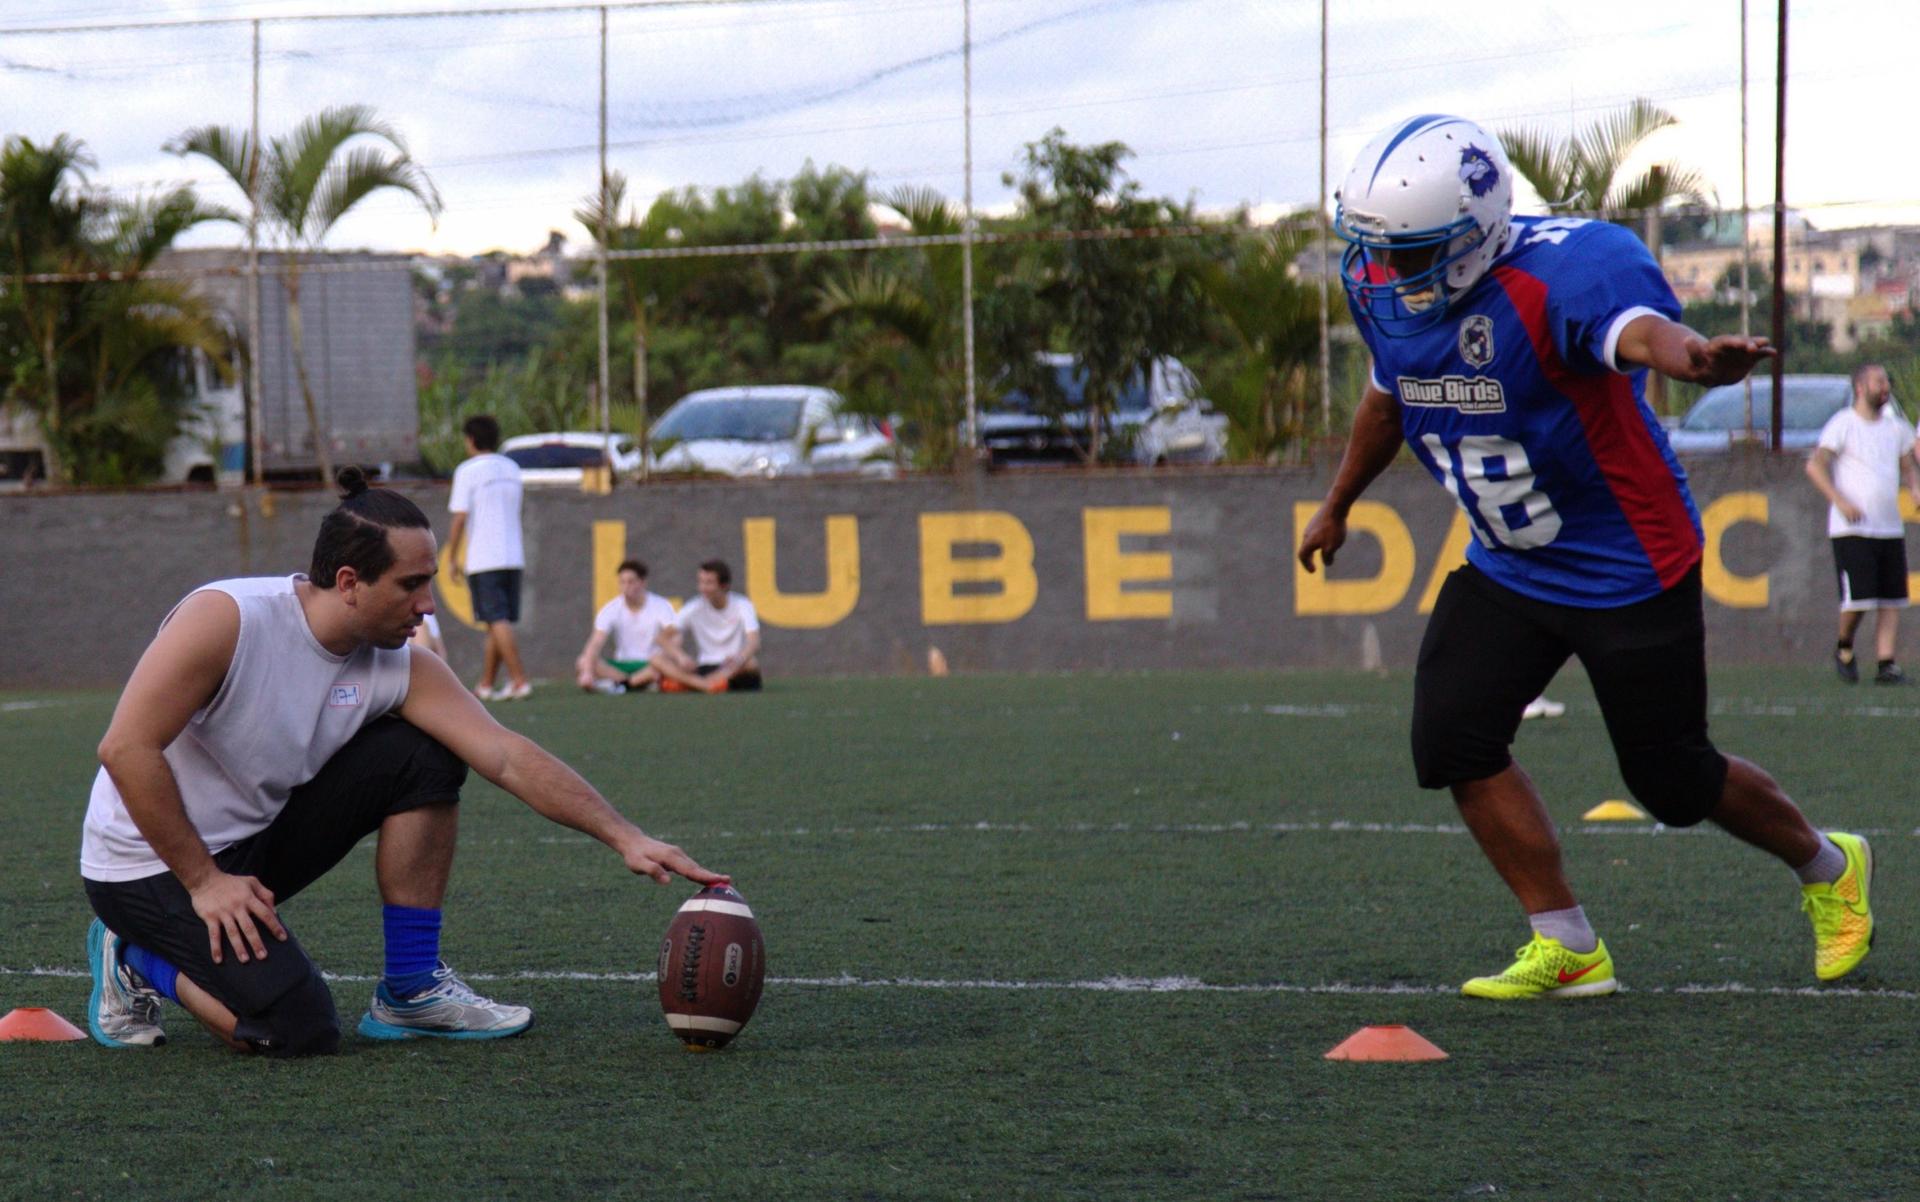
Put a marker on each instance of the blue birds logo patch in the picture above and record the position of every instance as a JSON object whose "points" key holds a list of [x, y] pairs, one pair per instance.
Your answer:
{"points": [[1477, 171]]}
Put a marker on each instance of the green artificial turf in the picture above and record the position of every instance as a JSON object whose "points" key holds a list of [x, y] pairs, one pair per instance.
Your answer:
{"points": [[915, 848]]}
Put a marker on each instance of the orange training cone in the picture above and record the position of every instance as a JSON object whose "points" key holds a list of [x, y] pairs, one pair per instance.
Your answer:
{"points": [[39, 1024], [1390, 1042]]}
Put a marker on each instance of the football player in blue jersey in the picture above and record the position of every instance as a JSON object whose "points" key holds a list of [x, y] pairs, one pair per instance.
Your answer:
{"points": [[1510, 354]]}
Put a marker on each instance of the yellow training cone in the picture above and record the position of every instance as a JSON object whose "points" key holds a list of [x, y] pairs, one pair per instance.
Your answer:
{"points": [[1615, 811]]}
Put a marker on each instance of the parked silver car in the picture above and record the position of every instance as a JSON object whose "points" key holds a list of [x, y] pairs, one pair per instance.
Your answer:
{"points": [[1719, 417], [1159, 417], [769, 431]]}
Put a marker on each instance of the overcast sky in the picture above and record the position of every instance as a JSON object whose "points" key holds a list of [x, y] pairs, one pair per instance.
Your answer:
{"points": [[1219, 98]]}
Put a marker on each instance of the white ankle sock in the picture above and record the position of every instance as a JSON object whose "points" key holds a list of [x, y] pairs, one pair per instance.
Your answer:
{"points": [[1568, 926], [1825, 867]]}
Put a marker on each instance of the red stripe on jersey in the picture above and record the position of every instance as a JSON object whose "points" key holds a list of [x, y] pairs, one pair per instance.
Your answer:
{"points": [[1643, 485]]}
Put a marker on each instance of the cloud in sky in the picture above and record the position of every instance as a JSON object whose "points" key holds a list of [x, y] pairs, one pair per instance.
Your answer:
{"points": [[1219, 98]]}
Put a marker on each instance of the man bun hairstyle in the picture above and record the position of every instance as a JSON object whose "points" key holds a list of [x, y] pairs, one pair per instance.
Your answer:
{"points": [[720, 570], [632, 565], [354, 535], [484, 431]]}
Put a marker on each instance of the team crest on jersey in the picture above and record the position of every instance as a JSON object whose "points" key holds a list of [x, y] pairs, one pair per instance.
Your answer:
{"points": [[1476, 340], [342, 695]]}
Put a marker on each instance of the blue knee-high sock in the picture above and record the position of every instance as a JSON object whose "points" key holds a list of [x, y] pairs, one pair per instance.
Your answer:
{"points": [[413, 948], [159, 974]]}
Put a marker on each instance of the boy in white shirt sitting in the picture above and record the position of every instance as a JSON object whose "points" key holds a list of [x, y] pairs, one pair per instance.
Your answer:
{"points": [[726, 639], [625, 640]]}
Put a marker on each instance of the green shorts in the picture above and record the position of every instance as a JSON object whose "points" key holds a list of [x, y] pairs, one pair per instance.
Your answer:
{"points": [[629, 666]]}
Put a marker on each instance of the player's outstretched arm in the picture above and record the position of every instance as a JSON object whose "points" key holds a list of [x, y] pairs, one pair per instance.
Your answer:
{"points": [[1374, 443], [1676, 351], [441, 706]]}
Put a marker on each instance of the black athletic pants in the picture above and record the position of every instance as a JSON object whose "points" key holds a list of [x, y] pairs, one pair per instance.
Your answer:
{"points": [[282, 1003], [1489, 650]]}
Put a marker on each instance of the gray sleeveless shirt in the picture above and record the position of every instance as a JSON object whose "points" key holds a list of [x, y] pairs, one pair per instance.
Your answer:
{"points": [[286, 706]]}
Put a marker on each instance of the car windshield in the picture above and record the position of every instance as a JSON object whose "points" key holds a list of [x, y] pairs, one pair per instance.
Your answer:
{"points": [[1809, 403], [556, 454], [1071, 380], [744, 419]]}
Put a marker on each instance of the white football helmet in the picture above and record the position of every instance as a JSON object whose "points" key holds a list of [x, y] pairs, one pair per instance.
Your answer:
{"points": [[1424, 211]]}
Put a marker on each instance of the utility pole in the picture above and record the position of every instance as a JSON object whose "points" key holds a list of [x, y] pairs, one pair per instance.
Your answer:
{"points": [[605, 378], [972, 441], [1320, 215], [1746, 213], [256, 437], [1780, 230]]}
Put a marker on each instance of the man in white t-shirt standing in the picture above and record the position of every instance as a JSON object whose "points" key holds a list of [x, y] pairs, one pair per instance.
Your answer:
{"points": [[486, 510], [625, 641], [1863, 454], [726, 639]]}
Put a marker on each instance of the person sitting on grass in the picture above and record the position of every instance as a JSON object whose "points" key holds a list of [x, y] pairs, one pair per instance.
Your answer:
{"points": [[624, 642], [726, 639], [272, 724]]}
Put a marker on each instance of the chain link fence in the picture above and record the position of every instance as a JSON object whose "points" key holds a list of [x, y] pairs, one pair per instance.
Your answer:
{"points": [[923, 205]]}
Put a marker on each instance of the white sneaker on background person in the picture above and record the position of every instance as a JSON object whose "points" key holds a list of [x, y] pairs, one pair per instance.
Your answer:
{"points": [[1542, 707]]}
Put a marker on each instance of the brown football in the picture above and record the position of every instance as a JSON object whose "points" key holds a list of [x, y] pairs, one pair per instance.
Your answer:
{"points": [[712, 964]]}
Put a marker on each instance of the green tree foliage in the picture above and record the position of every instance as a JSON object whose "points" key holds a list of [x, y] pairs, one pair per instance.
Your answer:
{"points": [[903, 314], [101, 362], [1267, 387], [1586, 173], [1116, 304], [308, 180]]}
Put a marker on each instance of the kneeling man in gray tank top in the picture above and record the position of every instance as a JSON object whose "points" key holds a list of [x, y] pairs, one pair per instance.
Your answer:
{"points": [[272, 724]]}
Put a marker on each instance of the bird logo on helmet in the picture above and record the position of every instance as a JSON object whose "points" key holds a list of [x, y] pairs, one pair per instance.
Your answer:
{"points": [[1424, 212]]}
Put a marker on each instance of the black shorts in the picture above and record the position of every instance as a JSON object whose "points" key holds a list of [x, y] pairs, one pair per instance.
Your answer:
{"points": [[1872, 572], [496, 595], [1489, 650], [744, 682], [282, 1003]]}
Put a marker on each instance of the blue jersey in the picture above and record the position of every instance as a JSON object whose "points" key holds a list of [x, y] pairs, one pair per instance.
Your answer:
{"points": [[1516, 405]]}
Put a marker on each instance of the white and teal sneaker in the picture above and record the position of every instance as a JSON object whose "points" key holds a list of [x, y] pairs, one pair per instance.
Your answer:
{"points": [[124, 1011], [448, 1009]]}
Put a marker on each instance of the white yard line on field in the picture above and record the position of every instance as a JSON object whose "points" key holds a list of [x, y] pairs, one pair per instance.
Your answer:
{"points": [[1597, 829], [1114, 984]]}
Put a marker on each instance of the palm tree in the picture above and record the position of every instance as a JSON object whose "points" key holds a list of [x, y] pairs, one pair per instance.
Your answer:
{"points": [[915, 299], [1583, 173], [1274, 317], [102, 372], [308, 181], [642, 284]]}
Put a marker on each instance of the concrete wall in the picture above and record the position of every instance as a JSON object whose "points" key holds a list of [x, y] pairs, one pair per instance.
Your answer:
{"points": [[1007, 572]]}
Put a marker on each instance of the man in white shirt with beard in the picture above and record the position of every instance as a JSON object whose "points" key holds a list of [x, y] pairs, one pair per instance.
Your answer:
{"points": [[272, 724], [1864, 452]]}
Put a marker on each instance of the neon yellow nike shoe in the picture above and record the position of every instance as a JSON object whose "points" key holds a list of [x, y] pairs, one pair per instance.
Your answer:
{"points": [[1545, 968], [1842, 919]]}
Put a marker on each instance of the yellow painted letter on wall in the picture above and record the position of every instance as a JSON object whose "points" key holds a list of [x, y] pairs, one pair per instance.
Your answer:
{"points": [[1010, 567], [804, 611], [609, 551], [451, 600], [1735, 592], [1109, 568], [1313, 593], [1453, 553]]}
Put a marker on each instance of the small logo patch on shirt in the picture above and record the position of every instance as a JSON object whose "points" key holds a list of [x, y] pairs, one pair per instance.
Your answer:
{"points": [[343, 694]]}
